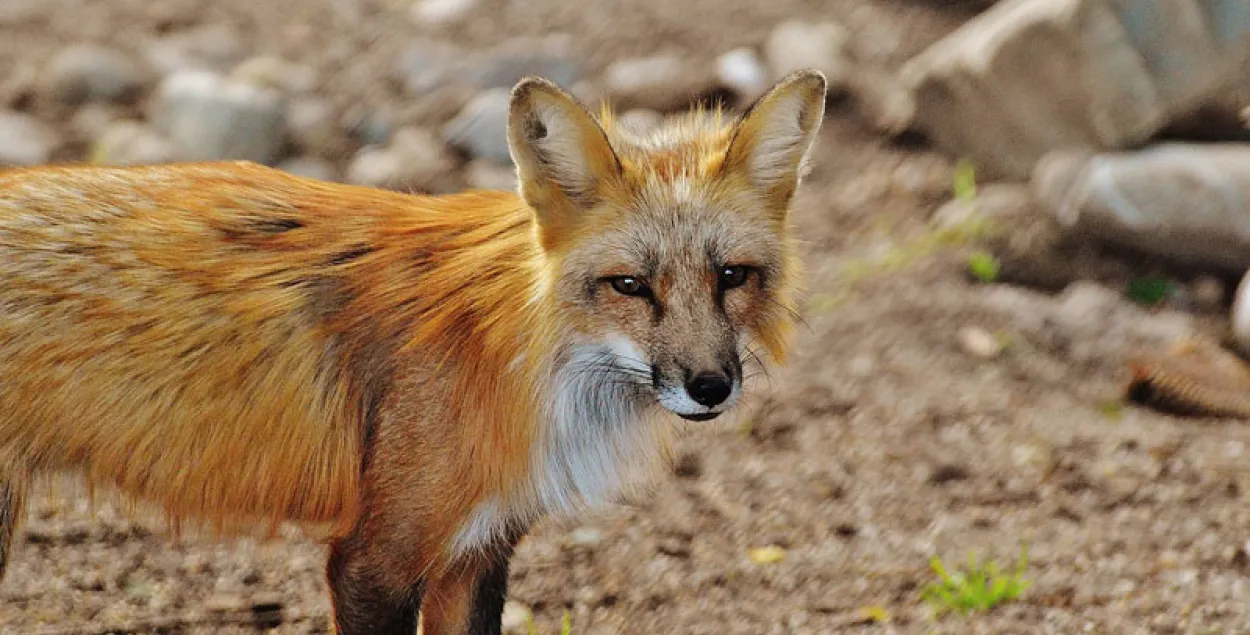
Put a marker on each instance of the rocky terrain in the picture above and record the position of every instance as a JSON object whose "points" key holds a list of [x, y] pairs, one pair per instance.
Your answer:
{"points": [[926, 413]]}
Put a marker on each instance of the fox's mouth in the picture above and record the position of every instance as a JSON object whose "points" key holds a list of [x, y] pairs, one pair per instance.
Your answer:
{"points": [[678, 402], [702, 416]]}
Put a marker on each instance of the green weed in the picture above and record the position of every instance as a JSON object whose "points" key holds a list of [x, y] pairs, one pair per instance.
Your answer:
{"points": [[979, 588], [1149, 291], [964, 180], [983, 266], [566, 625]]}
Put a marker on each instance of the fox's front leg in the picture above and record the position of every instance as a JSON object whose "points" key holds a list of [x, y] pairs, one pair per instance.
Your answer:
{"points": [[367, 597], [468, 599]]}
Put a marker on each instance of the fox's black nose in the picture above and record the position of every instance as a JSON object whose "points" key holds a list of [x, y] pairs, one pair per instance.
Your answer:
{"points": [[709, 389]]}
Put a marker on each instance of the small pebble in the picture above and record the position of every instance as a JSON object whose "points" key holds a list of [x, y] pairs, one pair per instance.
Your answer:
{"points": [[1240, 317], [744, 73], [225, 603], [483, 174], [415, 160], [797, 45], [428, 64], [586, 537], [310, 167], [550, 58], [440, 13], [214, 46], [979, 343], [1207, 293], [481, 127], [664, 82], [25, 140], [370, 126], [91, 120], [86, 72], [997, 201], [516, 617], [274, 72], [313, 127], [129, 142]]}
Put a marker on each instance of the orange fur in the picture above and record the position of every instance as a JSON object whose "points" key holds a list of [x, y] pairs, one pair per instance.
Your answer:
{"points": [[240, 345], [209, 303]]}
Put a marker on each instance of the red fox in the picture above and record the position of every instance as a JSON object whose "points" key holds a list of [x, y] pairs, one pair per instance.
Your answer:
{"points": [[426, 376]]}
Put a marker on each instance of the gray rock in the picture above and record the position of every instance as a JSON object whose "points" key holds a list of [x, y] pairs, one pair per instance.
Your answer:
{"points": [[216, 46], [743, 73], [1087, 307], [483, 174], [797, 45], [1240, 319], [429, 64], [86, 72], [18, 82], [370, 126], [665, 82], [275, 72], [414, 161], [25, 140], [481, 127], [212, 117], [128, 142], [311, 167], [551, 58], [313, 126], [588, 91], [886, 102], [438, 105], [91, 120], [1177, 201], [1032, 76]]}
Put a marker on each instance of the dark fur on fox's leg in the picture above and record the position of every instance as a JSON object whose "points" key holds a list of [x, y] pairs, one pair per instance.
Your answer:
{"points": [[468, 598], [363, 605], [491, 592], [12, 508]]}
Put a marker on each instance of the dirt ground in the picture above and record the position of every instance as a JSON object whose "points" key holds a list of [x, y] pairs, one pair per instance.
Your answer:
{"points": [[883, 444]]}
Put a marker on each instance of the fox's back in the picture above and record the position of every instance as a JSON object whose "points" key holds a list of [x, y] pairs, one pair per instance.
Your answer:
{"points": [[163, 320]]}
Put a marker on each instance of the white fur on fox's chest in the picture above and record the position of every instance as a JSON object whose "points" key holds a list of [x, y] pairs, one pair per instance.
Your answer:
{"points": [[596, 445]]}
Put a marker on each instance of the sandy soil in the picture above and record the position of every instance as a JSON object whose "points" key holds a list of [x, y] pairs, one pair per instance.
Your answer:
{"points": [[884, 443]]}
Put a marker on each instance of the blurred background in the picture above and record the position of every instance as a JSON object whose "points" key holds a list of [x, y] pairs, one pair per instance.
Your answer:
{"points": [[1024, 232]]}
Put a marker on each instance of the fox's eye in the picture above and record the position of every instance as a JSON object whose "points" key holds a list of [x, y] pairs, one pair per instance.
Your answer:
{"points": [[733, 276], [629, 285]]}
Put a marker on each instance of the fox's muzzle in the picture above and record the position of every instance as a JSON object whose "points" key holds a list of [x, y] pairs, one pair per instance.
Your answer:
{"points": [[699, 395]]}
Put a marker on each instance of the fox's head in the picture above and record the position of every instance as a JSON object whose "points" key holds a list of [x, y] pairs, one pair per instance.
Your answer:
{"points": [[669, 251]]}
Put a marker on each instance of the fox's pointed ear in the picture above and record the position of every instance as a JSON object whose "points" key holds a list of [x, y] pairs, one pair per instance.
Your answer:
{"points": [[771, 142], [563, 158]]}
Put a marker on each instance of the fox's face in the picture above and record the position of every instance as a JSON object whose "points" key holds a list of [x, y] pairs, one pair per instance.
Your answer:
{"points": [[670, 254]]}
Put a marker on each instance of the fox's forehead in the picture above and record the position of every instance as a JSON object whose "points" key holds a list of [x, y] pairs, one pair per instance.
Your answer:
{"points": [[678, 217], [662, 236], [689, 147]]}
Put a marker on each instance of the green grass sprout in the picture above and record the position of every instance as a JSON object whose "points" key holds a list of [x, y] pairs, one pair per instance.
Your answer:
{"points": [[979, 588]]}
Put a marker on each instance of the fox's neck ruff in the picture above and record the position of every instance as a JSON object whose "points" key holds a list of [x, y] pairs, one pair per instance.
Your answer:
{"points": [[559, 421]]}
